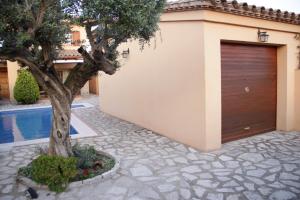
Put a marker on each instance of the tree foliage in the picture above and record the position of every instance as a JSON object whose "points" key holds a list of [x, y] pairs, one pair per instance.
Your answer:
{"points": [[40, 26], [31, 32]]}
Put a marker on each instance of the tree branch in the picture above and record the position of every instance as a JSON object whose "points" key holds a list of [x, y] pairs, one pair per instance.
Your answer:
{"points": [[48, 81], [82, 72], [89, 34]]}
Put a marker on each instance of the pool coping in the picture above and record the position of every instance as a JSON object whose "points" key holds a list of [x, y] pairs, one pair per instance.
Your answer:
{"points": [[82, 128], [86, 105]]}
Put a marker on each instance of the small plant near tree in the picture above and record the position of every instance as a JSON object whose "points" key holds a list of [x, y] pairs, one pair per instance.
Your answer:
{"points": [[54, 171], [26, 89], [57, 171]]}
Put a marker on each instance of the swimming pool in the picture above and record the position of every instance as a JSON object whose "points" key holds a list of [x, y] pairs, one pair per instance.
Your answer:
{"points": [[31, 123]]}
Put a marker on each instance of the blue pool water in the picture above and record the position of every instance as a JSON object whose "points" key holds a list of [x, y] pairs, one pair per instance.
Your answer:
{"points": [[29, 124]]}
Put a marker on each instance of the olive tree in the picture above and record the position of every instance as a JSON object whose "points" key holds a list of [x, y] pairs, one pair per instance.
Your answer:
{"points": [[32, 31]]}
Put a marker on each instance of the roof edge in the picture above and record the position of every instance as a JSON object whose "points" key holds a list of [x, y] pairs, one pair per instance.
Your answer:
{"points": [[233, 7]]}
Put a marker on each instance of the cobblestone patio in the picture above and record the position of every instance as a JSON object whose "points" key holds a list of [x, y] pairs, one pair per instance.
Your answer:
{"points": [[155, 167]]}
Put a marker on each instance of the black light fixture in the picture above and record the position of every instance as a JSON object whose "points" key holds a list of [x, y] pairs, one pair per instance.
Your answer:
{"points": [[262, 36], [125, 53]]}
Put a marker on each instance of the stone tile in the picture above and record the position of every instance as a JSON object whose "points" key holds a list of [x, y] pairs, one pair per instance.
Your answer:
{"points": [[270, 178], [231, 184], [116, 190], [253, 195], [282, 194], [185, 193], [251, 157], [214, 196], [249, 186], [265, 191], [256, 173], [272, 162], [233, 197], [288, 176], [217, 164], [205, 176], [225, 190], [295, 184], [166, 187], [149, 193], [192, 156], [172, 196], [232, 164], [225, 158], [191, 169], [141, 171], [7, 189], [208, 183], [181, 160], [290, 167], [189, 177], [199, 191], [7, 197]]}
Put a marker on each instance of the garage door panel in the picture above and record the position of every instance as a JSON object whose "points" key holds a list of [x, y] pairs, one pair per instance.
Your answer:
{"points": [[249, 90]]}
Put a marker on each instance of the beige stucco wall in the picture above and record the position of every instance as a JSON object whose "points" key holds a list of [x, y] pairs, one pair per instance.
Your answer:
{"points": [[156, 87], [12, 72], [85, 89], [175, 88], [83, 38], [297, 101]]}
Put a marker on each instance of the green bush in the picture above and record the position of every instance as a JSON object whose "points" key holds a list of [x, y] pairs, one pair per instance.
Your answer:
{"points": [[26, 89], [54, 171], [86, 155]]}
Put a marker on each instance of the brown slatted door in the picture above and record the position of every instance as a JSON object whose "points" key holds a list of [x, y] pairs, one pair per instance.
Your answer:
{"points": [[4, 89], [249, 90]]}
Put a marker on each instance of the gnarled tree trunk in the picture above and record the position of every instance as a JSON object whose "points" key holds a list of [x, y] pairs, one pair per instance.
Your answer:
{"points": [[60, 141]]}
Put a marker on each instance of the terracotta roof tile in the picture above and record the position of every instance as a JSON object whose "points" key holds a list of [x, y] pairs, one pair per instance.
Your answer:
{"points": [[236, 8], [68, 55]]}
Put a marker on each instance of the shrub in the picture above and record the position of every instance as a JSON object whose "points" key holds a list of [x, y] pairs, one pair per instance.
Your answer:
{"points": [[26, 89], [54, 171], [86, 155]]}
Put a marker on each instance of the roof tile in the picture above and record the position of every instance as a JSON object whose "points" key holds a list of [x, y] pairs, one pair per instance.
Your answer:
{"points": [[68, 55], [233, 7]]}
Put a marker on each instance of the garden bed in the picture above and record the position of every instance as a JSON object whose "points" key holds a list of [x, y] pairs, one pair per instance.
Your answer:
{"points": [[91, 167]]}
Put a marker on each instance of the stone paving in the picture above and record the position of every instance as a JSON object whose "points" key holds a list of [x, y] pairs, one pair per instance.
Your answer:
{"points": [[154, 167]]}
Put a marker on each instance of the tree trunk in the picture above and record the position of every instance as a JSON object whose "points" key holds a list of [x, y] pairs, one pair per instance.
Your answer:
{"points": [[60, 141]]}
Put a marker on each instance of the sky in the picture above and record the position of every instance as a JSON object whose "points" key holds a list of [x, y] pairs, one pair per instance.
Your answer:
{"points": [[283, 5]]}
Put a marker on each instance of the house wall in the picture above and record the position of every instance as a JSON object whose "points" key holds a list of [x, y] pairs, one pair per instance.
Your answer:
{"points": [[297, 101], [161, 87], [82, 37], [66, 68], [12, 71], [175, 88]]}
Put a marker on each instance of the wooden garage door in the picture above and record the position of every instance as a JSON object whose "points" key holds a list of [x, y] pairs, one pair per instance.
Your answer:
{"points": [[4, 90], [249, 90]]}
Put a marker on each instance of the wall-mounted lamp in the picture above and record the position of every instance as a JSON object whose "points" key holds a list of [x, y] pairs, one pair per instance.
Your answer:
{"points": [[125, 53], [262, 36]]}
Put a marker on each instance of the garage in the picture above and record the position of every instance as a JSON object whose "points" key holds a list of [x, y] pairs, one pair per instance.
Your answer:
{"points": [[4, 89], [249, 90], [235, 74]]}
